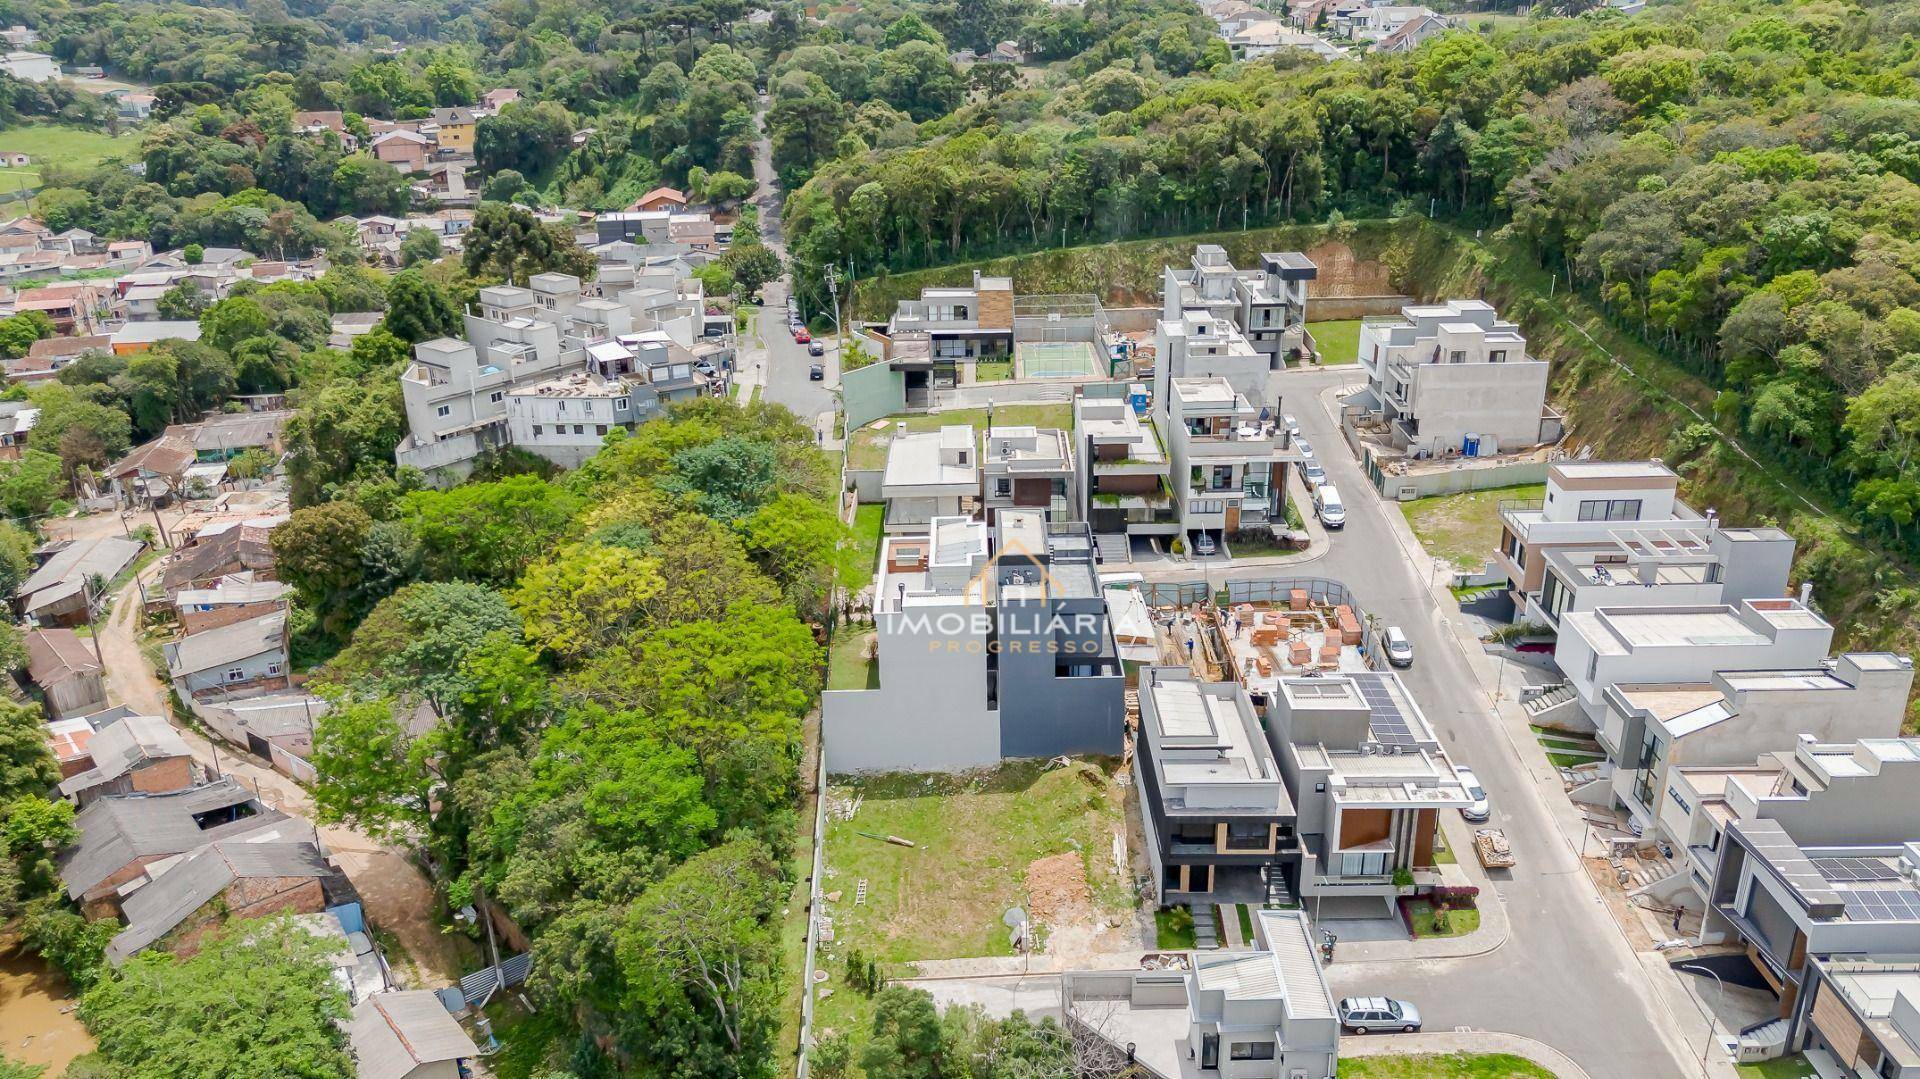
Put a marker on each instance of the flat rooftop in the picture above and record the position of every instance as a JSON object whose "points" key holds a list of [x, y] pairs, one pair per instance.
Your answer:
{"points": [[1188, 717], [922, 459], [1613, 470], [1617, 631]]}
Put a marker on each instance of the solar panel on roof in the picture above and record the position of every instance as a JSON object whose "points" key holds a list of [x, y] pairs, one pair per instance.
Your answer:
{"points": [[1388, 723], [1882, 904], [1854, 869]]}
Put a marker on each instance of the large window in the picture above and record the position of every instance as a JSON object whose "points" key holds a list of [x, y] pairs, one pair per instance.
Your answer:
{"points": [[1367, 863], [1251, 1051], [1653, 750], [1610, 509]]}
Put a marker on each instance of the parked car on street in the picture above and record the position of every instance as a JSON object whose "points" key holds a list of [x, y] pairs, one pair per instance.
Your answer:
{"points": [[1364, 1014], [1291, 422], [817, 348], [801, 336], [816, 373], [1311, 471], [1399, 650], [1305, 447], [1328, 507], [1482, 807]]}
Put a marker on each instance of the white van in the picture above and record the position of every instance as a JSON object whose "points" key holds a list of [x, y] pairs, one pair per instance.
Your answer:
{"points": [[1328, 507]]}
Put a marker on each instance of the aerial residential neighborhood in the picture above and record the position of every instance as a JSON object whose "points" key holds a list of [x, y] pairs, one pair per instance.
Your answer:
{"points": [[1181, 539]]}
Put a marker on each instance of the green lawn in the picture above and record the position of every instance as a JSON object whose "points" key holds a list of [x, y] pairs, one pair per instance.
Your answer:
{"points": [[975, 834], [1173, 929], [869, 524], [59, 144], [868, 446], [1463, 528], [992, 370], [1246, 921], [847, 663], [1338, 341], [1460, 920], [1443, 1066], [1793, 1067]]}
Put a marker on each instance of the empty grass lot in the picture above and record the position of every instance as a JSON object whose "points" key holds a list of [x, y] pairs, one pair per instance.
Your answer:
{"points": [[1443, 1066], [1338, 341], [1463, 528], [847, 663], [975, 835], [58, 144], [869, 525], [868, 447]]}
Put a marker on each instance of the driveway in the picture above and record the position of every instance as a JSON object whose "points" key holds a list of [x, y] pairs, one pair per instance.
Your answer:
{"points": [[395, 893]]}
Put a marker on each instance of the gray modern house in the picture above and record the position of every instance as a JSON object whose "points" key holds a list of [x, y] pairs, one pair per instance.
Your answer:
{"points": [[991, 642], [1219, 823]]}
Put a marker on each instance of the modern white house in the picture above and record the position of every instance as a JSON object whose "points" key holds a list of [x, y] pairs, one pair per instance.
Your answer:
{"points": [[1453, 379], [1368, 778], [930, 474], [1193, 342], [1821, 792], [1586, 504], [1028, 467], [1660, 566], [1268, 305], [1732, 718], [991, 642], [1805, 910], [1228, 463], [1609, 646], [532, 351], [567, 419], [1263, 1013]]}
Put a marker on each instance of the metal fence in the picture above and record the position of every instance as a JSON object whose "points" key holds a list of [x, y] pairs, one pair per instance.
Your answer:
{"points": [[477, 987]]}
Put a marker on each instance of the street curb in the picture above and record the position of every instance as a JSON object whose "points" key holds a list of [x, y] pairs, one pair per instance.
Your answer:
{"points": [[1467, 1041]]}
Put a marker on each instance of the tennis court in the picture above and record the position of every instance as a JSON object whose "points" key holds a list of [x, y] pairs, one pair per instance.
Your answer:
{"points": [[1058, 359]]}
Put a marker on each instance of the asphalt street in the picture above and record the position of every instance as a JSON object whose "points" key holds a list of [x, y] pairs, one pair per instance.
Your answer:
{"points": [[1566, 976], [786, 362]]}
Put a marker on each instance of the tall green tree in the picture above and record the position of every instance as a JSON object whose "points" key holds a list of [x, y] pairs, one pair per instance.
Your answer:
{"points": [[258, 998]]}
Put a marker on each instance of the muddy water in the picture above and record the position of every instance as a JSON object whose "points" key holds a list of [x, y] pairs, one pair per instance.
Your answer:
{"points": [[38, 1024]]}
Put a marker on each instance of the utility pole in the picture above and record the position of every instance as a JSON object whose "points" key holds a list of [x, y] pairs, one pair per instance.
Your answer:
{"points": [[95, 591], [833, 293]]}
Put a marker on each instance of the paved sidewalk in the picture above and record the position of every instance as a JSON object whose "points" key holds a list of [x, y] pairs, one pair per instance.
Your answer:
{"points": [[1461, 1041]]}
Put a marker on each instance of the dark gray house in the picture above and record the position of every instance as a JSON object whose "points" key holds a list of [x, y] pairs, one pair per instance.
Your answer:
{"points": [[992, 642], [1219, 822]]}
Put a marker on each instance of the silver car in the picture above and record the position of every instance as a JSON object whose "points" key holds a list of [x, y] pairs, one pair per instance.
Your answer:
{"points": [[1311, 471], [1399, 650], [1364, 1014], [1305, 447], [1482, 807]]}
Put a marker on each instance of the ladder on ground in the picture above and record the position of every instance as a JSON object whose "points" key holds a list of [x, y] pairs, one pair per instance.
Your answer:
{"points": [[860, 893], [1278, 894], [1205, 933]]}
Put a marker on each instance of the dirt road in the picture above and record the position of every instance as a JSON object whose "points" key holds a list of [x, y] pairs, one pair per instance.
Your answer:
{"points": [[397, 895]]}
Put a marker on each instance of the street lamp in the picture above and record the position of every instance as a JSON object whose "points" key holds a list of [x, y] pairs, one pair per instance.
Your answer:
{"points": [[1711, 1017]]}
